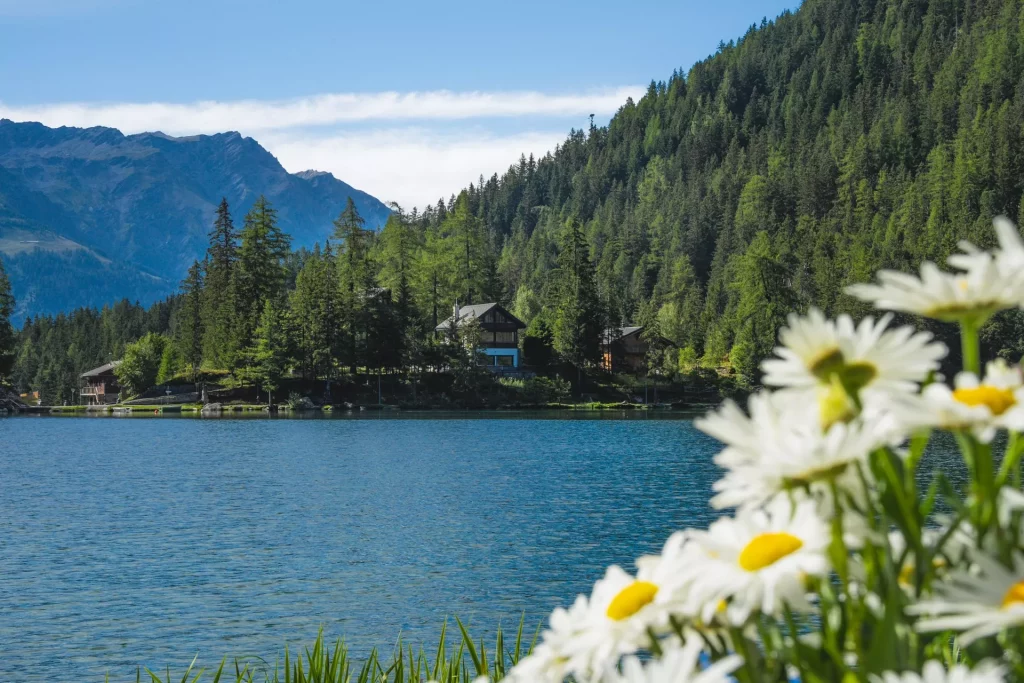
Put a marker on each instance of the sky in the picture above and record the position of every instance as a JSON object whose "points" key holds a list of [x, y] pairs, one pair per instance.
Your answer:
{"points": [[408, 100]]}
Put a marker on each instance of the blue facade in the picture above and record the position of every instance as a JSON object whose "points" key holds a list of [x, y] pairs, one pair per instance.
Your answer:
{"points": [[492, 356]]}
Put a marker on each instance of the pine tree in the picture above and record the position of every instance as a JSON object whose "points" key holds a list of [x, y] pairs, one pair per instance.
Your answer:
{"points": [[578, 322], [218, 292], [265, 359], [356, 281], [260, 274], [190, 332]]}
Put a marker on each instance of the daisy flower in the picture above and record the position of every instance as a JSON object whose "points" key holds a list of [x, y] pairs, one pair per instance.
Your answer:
{"points": [[616, 619], [770, 416], [975, 294], [1009, 256], [816, 353], [935, 672], [779, 448], [975, 603], [543, 665], [982, 406], [810, 460], [756, 561], [679, 665]]}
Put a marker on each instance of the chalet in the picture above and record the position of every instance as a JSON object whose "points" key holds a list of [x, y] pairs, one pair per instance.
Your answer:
{"points": [[499, 332], [625, 348], [99, 385]]}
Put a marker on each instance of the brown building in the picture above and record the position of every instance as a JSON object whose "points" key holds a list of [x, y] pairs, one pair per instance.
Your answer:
{"points": [[99, 385], [499, 338], [625, 349]]}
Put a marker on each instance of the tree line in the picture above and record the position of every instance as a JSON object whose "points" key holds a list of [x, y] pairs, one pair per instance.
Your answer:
{"points": [[253, 310]]}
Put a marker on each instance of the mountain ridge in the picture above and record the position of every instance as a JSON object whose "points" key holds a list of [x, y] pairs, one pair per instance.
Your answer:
{"points": [[145, 202]]}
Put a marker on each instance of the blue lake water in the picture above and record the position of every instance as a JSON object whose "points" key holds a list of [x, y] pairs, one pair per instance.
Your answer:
{"points": [[129, 542]]}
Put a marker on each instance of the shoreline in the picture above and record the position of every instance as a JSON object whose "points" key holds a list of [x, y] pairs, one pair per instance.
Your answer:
{"points": [[255, 410]]}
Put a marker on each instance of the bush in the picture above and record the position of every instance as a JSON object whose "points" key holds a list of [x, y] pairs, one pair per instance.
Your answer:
{"points": [[546, 390]]}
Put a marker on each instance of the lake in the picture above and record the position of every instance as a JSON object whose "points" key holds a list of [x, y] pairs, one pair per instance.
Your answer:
{"points": [[144, 541]]}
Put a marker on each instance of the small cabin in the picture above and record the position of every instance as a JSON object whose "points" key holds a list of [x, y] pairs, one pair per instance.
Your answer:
{"points": [[99, 385], [499, 341], [626, 349]]}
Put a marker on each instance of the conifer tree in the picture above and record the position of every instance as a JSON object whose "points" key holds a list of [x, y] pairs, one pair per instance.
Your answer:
{"points": [[190, 321], [356, 281], [260, 273], [218, 292], [265, 359], [578, 322]]}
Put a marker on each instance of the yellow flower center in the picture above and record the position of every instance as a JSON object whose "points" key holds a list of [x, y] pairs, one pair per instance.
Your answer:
{"points": [[631, 600], [835, 405], [997, 400], [906, 577], [1014, 596], [766, 549]]}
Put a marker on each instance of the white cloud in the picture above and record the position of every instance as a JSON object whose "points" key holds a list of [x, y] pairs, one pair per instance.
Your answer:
{"points": [[412, 166], [253, 116], [396, 146]]}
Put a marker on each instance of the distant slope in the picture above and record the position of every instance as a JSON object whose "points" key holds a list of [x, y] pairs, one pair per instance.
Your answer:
{"points": [[839, 139], [88, 216]]}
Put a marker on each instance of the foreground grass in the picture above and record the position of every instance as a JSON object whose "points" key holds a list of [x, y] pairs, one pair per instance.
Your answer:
{"points": [[458, 662]]}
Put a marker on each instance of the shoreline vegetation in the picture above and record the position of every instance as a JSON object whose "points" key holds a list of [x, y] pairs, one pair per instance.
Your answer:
{"points": [[219, 409], [453, 660]]}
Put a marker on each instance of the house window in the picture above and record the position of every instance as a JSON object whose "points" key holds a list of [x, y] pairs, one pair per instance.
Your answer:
{"points": [[489, 318], [505, 361], [505, 337]]}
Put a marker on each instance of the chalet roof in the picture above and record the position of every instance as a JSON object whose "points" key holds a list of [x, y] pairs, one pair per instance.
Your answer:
{"points": [[467, 313], [615, 334], [101, 369]]}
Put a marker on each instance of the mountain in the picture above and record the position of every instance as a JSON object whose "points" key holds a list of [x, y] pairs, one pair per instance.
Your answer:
{"points": [[89, 216]]}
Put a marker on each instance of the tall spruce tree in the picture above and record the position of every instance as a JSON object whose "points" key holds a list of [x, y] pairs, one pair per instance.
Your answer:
{"points": [[190, 321], [578, 321], [260, 274], [356, 283], [218, 292]]}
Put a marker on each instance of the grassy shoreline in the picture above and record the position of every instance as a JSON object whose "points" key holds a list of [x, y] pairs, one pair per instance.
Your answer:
{"points": [[458, 660]]}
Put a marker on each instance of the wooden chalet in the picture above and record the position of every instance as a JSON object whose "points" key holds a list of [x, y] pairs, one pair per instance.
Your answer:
{"points": [[625, 349], [499, 332], [99, 385]]}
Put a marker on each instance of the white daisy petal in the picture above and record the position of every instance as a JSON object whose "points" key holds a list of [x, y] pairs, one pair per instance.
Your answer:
{"points": [[976, 603]]}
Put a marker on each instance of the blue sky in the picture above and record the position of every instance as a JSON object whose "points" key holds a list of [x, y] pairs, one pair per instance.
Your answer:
{"points": [[407, 100]]}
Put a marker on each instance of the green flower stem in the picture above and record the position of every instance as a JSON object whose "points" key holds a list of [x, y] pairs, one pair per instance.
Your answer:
{"points": [[918, 443], [1010, 468], [970, 345]]}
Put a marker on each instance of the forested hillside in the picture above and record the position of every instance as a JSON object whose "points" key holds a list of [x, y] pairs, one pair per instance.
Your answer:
{"points": [[842, 138], [818, 148]]}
